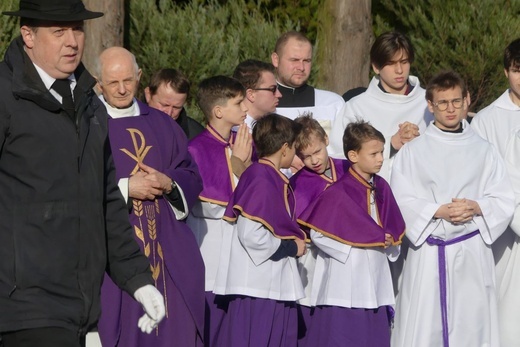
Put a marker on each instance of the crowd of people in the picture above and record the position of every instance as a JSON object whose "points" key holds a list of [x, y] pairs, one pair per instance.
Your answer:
{"points": [[294, 217]]}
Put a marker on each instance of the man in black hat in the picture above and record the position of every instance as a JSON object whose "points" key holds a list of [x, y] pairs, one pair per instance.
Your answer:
{"points": [[63, 221]]}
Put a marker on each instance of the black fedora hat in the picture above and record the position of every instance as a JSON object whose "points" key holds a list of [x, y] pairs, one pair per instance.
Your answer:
{"points": [[54, 10]]}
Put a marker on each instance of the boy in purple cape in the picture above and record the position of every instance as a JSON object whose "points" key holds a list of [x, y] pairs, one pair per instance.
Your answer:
{"points": [[259, 274], [357, 226], [318, 174], [217, 150]]}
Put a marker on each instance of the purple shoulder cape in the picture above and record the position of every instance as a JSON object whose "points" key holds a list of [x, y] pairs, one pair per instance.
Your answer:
{"points": [[307, 184], [263, 194], [342, 212], [208, 149]]}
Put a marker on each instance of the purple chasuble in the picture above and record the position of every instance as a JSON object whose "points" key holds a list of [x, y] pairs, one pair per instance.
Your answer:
{"points": [[156, 140], [209, 150], [348, 201], [263, 194], [307, 184]]}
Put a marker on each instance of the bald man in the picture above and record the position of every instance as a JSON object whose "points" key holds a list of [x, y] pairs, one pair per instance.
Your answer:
{"points": [[160, 182]]}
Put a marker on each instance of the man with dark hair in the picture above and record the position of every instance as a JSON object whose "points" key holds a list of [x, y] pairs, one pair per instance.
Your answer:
{"points": [[393, 103], [262, 94], [168, 91], [64, 221], [453, 191], [498, 123], [292, 58]]}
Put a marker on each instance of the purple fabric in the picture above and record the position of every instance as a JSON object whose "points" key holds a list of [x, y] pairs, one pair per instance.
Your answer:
{"points": [[208, 150], [177, 266], [442, 276], [334, 326], [348, 200], [307, 184], [305, 314], [258, 322], [263, 194], [216, 309]]}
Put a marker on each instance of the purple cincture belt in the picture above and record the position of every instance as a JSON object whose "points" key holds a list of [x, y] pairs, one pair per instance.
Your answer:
{"points": [[442, 276]]}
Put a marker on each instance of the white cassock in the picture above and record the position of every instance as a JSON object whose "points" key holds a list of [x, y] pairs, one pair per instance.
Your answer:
{"points": [[385, 112], [427, 173], [509, 298], [246, 268], [352, 277], [212, 234], [497, 123]]}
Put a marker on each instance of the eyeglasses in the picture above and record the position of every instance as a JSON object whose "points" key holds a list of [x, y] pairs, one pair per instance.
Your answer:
{"points": [[443, 104], [272, 89]]}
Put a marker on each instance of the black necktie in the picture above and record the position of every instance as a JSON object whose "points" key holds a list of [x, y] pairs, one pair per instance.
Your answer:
{"points": [[62, 87]]}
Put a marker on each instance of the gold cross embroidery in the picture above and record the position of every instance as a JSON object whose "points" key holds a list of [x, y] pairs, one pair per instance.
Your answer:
{"points": [[141, 150]]}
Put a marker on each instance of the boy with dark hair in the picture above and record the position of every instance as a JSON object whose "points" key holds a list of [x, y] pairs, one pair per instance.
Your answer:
{"points": [[217, 151], [356, 226], [168, 91], [262, 94], [456, 199], [393, 103], [259, 274], [318, 174], [497, 123]]}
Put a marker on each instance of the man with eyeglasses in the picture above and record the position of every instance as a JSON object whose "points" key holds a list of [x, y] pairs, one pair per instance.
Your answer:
{"points": [[262, 94], [453, 191], [497, 123], [160, 183], [168, 91], [393, 102], [292, 58]]}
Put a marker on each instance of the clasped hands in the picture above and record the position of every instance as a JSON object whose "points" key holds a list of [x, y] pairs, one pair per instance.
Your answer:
{"points": [[459, 211], [406, 133], [147, 183]]}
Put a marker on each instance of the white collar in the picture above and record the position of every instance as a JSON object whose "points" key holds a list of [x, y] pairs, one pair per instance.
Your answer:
{"points": [[113, 112]]}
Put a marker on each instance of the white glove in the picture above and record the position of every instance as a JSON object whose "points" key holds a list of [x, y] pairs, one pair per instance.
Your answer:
{"points": [[153, 304]]}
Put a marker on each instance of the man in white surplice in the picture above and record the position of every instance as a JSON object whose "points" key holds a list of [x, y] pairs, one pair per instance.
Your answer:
{"points": [[455, 196], [497, 123]]}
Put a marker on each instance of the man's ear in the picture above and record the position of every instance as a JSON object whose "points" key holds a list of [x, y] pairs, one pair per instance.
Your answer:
{"points": [[97, 88], [250, 95], [275, 59], [147, 95], [27, 36]]}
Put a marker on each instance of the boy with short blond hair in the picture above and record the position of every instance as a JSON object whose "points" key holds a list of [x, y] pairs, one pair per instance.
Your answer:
{"points": [[319, 172], [221, 156]]}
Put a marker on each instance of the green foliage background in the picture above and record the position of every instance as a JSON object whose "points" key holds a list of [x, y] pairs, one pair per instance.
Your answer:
{"points": [[466, 36], [208, 37], [200, 39]]}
